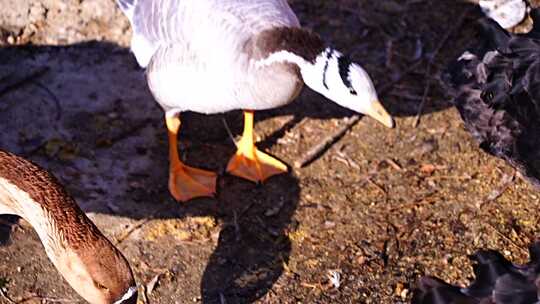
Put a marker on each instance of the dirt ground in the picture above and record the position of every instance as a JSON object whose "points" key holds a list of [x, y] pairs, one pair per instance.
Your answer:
{"points": [[379, 208]]}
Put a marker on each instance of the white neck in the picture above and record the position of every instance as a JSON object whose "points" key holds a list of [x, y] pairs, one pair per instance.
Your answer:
{"points": [[333, 75], [15, 201], [323, 74], [282, 57], [320, 75]]}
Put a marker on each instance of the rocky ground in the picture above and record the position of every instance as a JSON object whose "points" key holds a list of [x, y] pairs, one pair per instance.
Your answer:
{"points": [[379, 208]]}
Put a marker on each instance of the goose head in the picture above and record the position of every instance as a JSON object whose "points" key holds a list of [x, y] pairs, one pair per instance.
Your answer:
{"points": [[346, 83], [86, 259], [325, 70], [101, 275]]}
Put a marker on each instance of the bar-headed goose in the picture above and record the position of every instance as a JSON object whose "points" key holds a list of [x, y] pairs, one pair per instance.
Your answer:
{"points": [[84, 257], [212, 56]]}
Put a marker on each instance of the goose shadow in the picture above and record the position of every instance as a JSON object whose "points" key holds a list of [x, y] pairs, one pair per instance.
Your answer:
{"points": [[6, 223]]}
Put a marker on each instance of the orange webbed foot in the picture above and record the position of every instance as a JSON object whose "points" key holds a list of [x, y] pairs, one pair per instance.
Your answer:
{"points": [[254, 165], [186, 183]]}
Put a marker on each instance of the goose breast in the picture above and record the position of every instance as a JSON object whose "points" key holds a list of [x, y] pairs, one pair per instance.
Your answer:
{"points": [[200, 54]]}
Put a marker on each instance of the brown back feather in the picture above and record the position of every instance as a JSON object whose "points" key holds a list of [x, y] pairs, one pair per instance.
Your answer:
{"points": [[299, 41], [45, 189]]}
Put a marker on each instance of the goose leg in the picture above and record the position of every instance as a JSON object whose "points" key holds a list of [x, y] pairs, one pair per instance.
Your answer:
{"points": [[250, 163], [186, 182]]}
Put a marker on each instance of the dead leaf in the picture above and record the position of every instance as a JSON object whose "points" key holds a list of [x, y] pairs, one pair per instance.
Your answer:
{"points": [[152, 284], [430, 168]]}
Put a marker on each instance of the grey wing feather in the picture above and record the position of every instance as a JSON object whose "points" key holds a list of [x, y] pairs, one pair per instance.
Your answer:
{"points": [[148, 19], [206, 24]]}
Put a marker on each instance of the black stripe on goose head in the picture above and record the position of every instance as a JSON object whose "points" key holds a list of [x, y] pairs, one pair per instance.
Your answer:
{"points": [[328, 55], [344, 65]]}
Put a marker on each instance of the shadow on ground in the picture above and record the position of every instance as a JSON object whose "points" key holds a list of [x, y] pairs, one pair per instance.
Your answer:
{"points": [[83, 112]]}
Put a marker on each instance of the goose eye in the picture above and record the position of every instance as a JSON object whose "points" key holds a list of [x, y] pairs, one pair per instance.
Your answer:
{"points": [[98, 285]]}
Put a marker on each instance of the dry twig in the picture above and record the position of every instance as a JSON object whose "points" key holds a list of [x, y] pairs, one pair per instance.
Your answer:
{"points": [[132, 229], [229, 132], [55, 100], [506, 181], [431, 61], [317, 150], [509, 240], [153, 283], [24, 80], [393, 164], [328, 141], [381, 189], [128, 133], [236, 227]]}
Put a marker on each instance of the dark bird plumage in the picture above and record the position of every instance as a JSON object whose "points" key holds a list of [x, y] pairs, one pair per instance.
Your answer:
{"points": [[497, 281], [496, 89]]}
